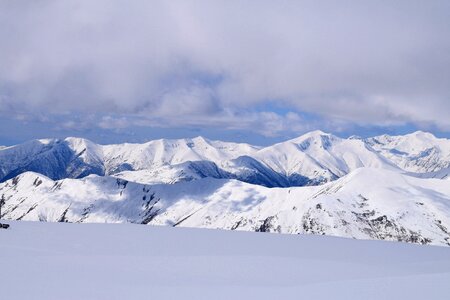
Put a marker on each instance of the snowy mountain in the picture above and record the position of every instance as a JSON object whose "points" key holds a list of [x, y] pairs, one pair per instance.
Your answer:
{"points": [[70, 158], [319, 157], [312, 159], [386, 187], [366, 204], [418, 152], [77, 158]]}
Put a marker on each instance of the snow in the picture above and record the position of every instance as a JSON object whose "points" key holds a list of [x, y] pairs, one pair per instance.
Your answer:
{"points": [[95, 261], [386, 187], [368, 203], [391, 188], [311, 159], [161, 152], [419, 152], [320, 153]]}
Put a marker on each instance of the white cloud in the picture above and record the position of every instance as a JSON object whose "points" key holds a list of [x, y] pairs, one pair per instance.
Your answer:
{"points": [[204, 63]]}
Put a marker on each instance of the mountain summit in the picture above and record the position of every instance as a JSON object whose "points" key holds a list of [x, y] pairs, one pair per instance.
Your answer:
{"points": [[311, 159]]}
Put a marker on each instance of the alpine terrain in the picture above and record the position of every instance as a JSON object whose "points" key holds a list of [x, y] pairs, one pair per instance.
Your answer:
{"points": [[386, 187]]}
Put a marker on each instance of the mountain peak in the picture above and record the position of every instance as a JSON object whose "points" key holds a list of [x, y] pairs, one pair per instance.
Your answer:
{"points": [[200, 139], [81, 144], [422, 134], [76, 140], [315, 135]]}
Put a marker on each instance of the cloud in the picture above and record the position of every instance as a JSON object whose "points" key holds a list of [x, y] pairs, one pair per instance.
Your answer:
{"points": [[267, 124], [203, 63]]}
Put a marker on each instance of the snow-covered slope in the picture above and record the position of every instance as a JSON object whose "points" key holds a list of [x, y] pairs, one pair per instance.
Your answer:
{"points": [[418, 152], [441, 174], [170, 152], [320, 157], [77, 158], [170, 174], [368, 203], [95, 261], [57, 159]]}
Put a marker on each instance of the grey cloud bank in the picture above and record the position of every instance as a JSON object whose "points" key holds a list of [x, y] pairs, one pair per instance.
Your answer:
{"points": [[212, 63]]}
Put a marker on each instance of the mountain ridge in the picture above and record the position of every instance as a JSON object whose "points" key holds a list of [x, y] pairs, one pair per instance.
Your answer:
{"points": [[311, 159], [367, 203], [385, 187]]}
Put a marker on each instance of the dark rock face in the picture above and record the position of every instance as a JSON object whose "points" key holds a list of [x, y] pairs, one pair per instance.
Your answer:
{"points": [[268, 225], [385, 229]]}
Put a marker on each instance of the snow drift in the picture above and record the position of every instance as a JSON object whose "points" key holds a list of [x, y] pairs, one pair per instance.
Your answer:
{"points": [[94, 261]]}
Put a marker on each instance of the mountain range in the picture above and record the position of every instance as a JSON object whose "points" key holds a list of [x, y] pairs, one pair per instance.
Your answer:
{"points": [[385, 187]]}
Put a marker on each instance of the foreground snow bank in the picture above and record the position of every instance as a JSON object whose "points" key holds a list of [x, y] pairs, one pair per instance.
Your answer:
{"points": [[94, 261]]}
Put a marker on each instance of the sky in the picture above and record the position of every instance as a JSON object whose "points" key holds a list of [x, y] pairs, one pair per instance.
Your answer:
{"points": [[249, 71]]}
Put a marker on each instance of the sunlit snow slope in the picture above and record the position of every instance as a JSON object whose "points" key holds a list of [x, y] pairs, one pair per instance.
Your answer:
{"points": [[366, 204], [94, 261]]}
